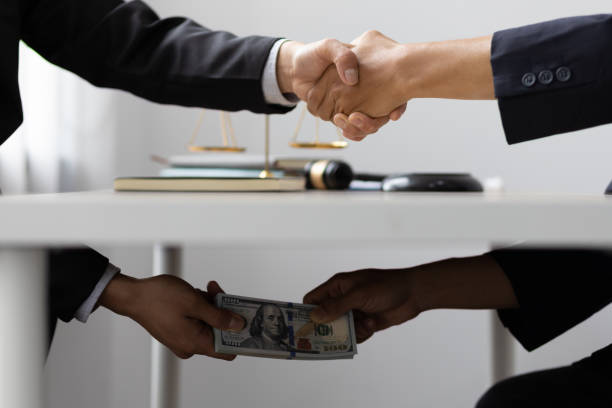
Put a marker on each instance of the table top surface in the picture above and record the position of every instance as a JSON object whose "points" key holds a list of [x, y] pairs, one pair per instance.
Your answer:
{"points": [[107, 217]]}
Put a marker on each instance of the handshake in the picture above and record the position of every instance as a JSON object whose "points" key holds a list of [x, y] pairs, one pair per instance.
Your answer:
{"points": [[362, 85]]}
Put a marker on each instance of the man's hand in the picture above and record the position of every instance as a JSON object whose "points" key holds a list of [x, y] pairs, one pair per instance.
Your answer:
{"points": [[391, 74], [171, 310], [301, 66], [379, 299], [384, 298], [381, 90]]}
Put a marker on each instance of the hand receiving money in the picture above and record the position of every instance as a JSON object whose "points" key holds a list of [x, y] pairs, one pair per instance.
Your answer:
{"points": [[382, 298]]}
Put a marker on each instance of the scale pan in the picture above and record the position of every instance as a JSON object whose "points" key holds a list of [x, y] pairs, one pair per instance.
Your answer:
{"points": [[227, 149], [316, 143], [337, 144]]}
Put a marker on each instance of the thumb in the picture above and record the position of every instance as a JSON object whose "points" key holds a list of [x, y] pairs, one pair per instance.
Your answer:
{"points": [[218, 318], [343, 57]]}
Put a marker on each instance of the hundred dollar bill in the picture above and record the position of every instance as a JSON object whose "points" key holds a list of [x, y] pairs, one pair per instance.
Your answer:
{"points": [[284, 330]]}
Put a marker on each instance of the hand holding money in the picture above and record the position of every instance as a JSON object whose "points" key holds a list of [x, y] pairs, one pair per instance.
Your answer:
{"points": [[382, 298], [171, 310], [379, 299], [284, 330]]}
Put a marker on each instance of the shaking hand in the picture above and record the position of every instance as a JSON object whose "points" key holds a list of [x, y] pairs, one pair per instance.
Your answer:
{"points": [[300, 67], [392, 74]]}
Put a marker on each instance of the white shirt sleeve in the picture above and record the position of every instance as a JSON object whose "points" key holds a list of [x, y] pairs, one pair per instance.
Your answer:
{"points": [[83, 312], [269, 83]]}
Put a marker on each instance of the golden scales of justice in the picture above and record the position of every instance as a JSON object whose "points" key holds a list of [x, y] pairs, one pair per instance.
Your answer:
{"points": [[227, 134]]}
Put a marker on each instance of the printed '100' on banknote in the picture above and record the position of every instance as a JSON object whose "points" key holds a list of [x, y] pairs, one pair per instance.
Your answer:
{"points": [[284, 330]]}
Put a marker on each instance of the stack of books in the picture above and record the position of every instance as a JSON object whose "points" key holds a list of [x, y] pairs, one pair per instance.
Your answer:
{"points": [[214, 172]]}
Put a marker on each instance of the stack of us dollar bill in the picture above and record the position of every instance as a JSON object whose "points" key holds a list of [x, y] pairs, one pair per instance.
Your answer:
{"points": [[284, 330]]}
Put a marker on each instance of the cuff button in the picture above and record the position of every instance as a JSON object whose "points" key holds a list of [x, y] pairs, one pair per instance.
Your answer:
{"points": [[564, 74], [529, 79], [546, 77]]}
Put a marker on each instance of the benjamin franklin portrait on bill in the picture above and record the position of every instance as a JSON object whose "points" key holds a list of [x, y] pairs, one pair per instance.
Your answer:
{"points": [[268, 329]]}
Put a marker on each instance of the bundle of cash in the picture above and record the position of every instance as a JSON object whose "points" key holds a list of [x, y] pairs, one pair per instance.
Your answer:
{"points": [[284, 330]]}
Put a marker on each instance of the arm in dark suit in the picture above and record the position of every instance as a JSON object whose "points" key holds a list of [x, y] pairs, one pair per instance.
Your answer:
{"points": [[555, 289], [72, 276], [122, 45], [576, 51], [127, 46]]}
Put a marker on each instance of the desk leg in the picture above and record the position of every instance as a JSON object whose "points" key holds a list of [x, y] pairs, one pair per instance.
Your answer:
{"points": [[502, 348], [23, 322], [164, 365]]}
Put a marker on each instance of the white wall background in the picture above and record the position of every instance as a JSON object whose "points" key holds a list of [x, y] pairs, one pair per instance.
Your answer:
{"points": [[440, 359]]}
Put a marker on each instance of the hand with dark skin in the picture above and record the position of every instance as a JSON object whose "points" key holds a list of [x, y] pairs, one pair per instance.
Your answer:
{"points": [[171, 310], [392, 73], [300, 66], [384, 298]]}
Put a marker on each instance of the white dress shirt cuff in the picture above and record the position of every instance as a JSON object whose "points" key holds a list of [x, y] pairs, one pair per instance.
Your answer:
{"points": [[269, 83], [83, 312]]}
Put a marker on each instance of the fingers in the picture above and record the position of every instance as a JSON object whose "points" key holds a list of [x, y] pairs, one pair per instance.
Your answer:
{"points": [[213, 288], [218, 318], [398, 112], [207, 296], [357, 126], [204, 343], [320, 99], [344, 59], [331, 309], [337, 285], [364, 329], [198, 339], [367, 124], [349, 130]]}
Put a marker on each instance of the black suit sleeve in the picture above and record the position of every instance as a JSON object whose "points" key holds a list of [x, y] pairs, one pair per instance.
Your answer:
{"points": [[73, 274], [556, 290], [553, 77], [127, 46]]}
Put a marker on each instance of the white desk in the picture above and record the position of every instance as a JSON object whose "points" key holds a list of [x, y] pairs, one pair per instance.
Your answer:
{"points": [[288, 219]]}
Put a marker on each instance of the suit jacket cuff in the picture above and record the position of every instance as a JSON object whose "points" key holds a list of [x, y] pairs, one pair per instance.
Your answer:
{"points": [[553, 77], [73, 275], [556, 290]]}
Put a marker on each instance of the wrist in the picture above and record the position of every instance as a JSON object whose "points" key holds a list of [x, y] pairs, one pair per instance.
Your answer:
{"points": [[457, 69], [120, 294], [409, 65], [421, 292], [476, 282], [285, 67]]}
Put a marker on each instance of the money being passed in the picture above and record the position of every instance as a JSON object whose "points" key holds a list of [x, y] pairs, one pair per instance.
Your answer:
{"points": [[284, 330]]}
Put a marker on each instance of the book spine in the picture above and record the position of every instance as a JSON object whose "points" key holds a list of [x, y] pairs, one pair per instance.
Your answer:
{"points": [[189, 172]]}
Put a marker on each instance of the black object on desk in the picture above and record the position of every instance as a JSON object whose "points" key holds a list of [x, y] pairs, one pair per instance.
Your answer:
{"points": [[609, 189], [458, 182]]}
